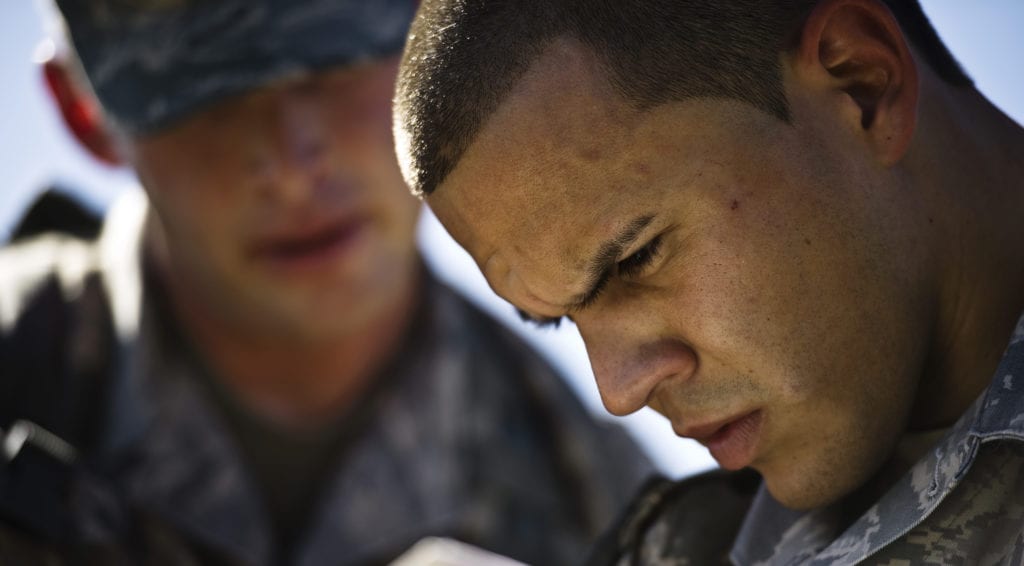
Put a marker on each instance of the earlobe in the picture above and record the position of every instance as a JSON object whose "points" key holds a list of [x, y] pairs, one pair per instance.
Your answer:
{"points": [[861, 49], [80, 112]]}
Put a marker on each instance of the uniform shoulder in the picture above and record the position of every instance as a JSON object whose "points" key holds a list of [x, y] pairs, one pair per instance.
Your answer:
{"points": [[497, 350], [601, 452], [484, 329], [499, 353]]}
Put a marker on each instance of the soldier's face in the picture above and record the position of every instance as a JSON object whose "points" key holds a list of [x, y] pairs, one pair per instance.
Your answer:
{"points": [[285, 206], [763, 291]]}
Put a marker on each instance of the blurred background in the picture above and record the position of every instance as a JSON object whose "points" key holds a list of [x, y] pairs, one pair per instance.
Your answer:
{"points": [[985, 35]]}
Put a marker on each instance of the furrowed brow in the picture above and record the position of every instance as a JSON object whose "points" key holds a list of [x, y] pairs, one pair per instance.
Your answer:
{"points": [[601, 266]]}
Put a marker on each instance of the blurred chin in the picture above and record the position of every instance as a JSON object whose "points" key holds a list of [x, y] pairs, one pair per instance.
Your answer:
{"points": [[293, 314]]}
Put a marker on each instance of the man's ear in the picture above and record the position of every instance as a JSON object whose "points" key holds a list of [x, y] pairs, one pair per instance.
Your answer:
{"points": [[861, 49], [81, 112]]}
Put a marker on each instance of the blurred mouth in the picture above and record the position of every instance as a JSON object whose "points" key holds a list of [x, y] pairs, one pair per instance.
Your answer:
{"points": [[310, 248], [732, 441]]}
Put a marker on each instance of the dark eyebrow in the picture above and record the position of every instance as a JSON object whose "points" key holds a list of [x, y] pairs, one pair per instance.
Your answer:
{"points": [[599, 268]]}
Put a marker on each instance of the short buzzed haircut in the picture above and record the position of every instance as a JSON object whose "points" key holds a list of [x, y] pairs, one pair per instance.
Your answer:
{"points": [[464, 57]]}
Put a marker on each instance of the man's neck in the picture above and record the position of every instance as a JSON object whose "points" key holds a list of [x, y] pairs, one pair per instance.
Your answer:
{"points": [[972, 160], [301, 383]]}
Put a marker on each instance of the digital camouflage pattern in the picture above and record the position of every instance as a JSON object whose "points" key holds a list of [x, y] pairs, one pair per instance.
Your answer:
{"points": [[152, 62], [960, 504], [477, 440]]}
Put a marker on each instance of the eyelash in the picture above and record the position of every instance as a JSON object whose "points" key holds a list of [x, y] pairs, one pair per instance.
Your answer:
{"points": [[634, 265], [540, 323], [629, 268]]}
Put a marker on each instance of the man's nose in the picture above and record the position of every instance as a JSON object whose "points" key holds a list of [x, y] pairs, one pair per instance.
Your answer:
{"points": [[629, 366], [296, 158]]}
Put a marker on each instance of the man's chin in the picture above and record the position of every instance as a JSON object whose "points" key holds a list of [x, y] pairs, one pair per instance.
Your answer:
{"points": [[801, 491], [328, 306], [318, 324], [297, 315]]}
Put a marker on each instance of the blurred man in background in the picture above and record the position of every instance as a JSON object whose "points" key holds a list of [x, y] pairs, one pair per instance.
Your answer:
{"points": [[793, 228], [252, 357]]}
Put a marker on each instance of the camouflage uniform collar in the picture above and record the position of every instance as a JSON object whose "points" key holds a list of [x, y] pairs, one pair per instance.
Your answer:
{"points": [[772, 534], [1002, 412]]}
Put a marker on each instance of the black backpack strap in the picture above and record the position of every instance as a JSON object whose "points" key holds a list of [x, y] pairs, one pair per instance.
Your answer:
{"points": [[56, 363], [55, 210], [704, 513]]}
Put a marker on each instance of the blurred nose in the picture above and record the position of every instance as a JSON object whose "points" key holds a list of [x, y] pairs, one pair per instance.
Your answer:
{"points": [[295, 158], [630, 362]]}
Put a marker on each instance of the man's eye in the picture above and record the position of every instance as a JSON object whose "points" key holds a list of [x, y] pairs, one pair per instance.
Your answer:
{"points": [[540, 322], [634, 265]]}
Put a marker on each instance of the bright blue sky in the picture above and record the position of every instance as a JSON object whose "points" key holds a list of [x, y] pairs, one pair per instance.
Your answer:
{"points": [[985, 35]]}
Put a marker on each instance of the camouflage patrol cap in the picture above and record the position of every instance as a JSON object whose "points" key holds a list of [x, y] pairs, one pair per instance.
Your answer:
{"points": [[153, 62]]}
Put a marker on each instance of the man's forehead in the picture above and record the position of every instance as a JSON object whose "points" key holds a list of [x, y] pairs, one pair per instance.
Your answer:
{"points": [[541, 185], [533, 245], [565, 165], [507, 230], [553, 140], [567, 96]]}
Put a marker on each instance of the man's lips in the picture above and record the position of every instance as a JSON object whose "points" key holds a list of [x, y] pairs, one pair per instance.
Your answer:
{"points": [[308, 246], [731, 441]]}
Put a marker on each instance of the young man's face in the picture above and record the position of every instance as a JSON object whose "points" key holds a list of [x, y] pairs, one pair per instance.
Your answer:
{"points": [[766, 291], [285, 207]]}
